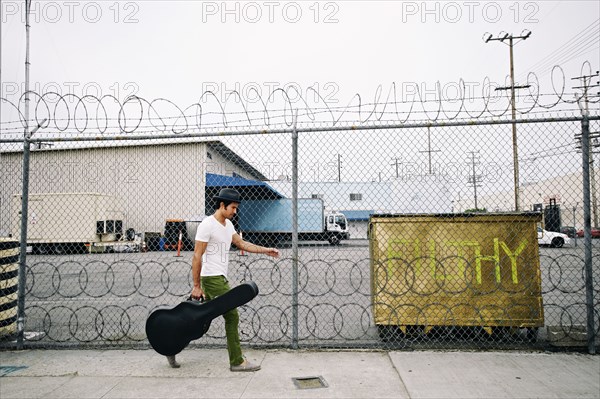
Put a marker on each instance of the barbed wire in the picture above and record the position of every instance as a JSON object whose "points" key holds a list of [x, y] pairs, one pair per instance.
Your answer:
{"points": [[148, 129], [58, 114], [91, 308], [351, 109]]}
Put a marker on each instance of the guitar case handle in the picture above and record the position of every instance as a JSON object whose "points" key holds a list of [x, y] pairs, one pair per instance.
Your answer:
{"points": [[190, 299]]}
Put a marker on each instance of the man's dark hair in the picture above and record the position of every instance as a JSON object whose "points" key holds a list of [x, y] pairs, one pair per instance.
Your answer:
{"points": [[218, 203]]}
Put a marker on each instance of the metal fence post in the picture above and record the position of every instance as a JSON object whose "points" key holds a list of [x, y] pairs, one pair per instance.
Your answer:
{"points": [[23, 245], [24, 197], [587, 227], [295, 234]]}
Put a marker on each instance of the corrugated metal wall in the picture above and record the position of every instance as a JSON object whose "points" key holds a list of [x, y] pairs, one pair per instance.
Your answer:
{"points": [[155, 182]]}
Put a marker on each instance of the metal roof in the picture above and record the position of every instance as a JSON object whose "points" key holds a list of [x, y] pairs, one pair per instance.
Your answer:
{"points": [[213, 145], [234, 158], [249, 189], [357, 215]]}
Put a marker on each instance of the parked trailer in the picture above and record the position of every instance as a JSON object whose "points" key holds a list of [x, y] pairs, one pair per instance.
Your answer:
{"points": [[270, 221], [72, 222]]}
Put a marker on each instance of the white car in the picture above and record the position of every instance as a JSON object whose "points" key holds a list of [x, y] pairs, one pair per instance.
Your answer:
{"points": [[551, 238]]}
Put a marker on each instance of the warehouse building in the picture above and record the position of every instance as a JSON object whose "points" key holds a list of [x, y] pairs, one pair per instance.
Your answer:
{"points": [[359, 200], [561, 194], [155, 181]]}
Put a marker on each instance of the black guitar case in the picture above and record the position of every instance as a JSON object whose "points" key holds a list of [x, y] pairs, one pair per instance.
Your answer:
{"points": [[170, 330]]}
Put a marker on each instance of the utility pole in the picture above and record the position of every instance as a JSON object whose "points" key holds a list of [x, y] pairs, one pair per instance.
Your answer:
{"points": [[396, 163], [512, 88], [339, 162], [587, 228], [592, 135], [429, 150], [474, 179]]}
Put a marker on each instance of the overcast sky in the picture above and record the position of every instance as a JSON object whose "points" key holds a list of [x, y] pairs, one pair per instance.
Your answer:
{"points": [[179, 49]]}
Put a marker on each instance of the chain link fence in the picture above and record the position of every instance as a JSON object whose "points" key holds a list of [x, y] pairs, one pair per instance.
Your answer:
{"points": [[436, 234]]}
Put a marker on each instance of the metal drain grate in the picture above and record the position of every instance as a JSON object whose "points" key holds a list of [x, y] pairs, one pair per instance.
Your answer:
{"points": [[309, 382]]}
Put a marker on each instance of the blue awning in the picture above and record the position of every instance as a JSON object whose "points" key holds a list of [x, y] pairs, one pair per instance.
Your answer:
{"points": [[358, 215], [249, 189]]}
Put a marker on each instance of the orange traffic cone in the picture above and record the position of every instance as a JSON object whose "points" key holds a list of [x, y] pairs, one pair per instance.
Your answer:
{"points": [[179, 246]]}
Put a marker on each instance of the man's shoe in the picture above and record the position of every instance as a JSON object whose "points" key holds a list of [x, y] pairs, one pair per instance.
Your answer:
{"points": [[172, 362], [245, 366]]}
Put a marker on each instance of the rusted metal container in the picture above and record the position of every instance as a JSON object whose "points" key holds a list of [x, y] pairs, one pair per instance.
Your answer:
{"points": [[456, 270]]}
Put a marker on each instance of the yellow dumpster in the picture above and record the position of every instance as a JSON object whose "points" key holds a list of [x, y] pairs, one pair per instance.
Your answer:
{"points": [[456, 270]]}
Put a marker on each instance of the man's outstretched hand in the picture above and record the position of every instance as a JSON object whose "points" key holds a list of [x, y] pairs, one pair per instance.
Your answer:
{"points": [[272, 252]]}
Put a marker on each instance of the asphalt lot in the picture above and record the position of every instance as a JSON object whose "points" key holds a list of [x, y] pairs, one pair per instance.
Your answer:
{"points": [[107, 297]]}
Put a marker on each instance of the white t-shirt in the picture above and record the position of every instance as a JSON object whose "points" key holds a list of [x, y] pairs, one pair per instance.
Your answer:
{"points": [[216, 258]]}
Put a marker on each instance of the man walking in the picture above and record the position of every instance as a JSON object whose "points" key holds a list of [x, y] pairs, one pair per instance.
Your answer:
{"points": [[210, 266]]}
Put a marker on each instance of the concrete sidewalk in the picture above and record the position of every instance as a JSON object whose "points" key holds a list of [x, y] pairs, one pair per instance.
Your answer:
{"points": [[347, 374]]}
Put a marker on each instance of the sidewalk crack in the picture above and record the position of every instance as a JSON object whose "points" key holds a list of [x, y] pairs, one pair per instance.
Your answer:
{"points": [[405, 393], [243, 394]]}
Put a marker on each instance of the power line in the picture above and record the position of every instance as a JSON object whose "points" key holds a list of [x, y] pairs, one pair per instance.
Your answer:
{"points": [[569, 44], [572, 42], [558, 55], [550, 149]]}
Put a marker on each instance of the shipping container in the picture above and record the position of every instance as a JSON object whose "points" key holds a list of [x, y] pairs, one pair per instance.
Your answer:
{"points": [[69, 222]]}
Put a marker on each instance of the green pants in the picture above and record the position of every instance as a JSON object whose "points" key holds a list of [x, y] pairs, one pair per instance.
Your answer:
{"points": [[214, 286]]}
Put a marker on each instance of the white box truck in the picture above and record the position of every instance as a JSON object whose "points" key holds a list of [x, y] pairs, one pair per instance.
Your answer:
{"points": [[269, 222], [72, 222]]}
